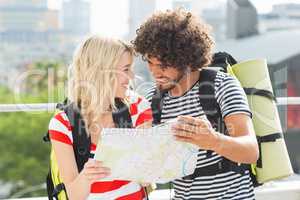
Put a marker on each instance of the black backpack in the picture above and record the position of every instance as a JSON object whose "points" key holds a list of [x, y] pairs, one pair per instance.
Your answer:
{"points": [[213, 113], [81, 142]]}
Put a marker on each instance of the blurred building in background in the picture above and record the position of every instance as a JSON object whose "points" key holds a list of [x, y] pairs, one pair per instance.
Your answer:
{"points": [[27, 21], [282, 17], [242, 20], [30, 31], [76, 17], [139, 10]]}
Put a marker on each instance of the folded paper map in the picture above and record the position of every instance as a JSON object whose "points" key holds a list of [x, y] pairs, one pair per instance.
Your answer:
{"points": [[145, 155]]}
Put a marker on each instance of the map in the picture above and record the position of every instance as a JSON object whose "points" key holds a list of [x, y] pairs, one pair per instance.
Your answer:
{"points": [[145, 155]]}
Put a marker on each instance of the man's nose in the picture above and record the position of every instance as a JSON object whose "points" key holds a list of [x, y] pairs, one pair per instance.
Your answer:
{"points": [[155, 70]]}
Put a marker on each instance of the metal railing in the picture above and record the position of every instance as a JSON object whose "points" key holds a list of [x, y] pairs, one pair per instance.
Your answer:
{"points": [[51, 106]]}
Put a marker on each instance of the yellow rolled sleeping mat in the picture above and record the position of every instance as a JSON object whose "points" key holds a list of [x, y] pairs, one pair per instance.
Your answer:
{"points": [[274, 162]]}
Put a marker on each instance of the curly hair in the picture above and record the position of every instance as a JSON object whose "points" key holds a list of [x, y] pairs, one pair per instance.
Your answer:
{"points": [[177, 38]]}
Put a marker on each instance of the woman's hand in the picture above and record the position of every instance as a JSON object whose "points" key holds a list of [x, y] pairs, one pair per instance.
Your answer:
{"points": [[147, 124], [145, 184], [93, 170]]}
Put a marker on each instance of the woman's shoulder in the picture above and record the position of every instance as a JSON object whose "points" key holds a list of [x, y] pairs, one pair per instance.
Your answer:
{"points": [[60, 128], [136, 98], [140, 109]]}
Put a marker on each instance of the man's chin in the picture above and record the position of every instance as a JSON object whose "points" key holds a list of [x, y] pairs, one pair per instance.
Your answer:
{"points": [[165, 87]]}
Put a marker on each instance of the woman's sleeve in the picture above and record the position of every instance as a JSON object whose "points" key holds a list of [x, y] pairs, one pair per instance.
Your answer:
{"points": [[140, 111], [60, 129]]}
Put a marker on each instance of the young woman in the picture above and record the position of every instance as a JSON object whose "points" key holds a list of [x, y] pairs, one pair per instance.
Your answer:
{"points": [[100, 74]]}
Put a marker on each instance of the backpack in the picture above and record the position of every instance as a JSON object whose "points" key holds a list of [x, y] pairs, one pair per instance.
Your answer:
{"points": [[81, 144], [221, 61]]}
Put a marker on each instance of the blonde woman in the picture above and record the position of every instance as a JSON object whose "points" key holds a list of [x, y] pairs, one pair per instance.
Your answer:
{"points": [[100, 75]]}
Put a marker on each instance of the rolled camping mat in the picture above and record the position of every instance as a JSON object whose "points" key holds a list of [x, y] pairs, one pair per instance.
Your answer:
{"points": [[274, 155]]}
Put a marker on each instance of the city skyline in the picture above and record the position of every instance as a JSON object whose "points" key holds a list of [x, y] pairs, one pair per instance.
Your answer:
{"points": [[111, 17]]}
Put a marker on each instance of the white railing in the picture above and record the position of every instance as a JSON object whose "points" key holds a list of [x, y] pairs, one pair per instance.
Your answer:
{"points": [[288, 100], [51, 106]]}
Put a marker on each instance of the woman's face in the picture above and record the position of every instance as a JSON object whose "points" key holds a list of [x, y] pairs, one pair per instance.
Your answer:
{"points": [[124, 74]]}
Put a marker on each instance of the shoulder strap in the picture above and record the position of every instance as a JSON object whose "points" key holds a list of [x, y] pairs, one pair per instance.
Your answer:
{"points": [[222, 60], [81, 142], [121, 116], [212, 111], [157, 105], [207, 98]]}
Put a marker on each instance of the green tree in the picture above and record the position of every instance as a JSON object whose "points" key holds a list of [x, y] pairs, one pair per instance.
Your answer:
{"points": [[24, 158]]}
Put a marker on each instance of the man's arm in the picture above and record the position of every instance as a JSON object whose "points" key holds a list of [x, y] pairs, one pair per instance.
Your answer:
{"points": [[240, 146]]}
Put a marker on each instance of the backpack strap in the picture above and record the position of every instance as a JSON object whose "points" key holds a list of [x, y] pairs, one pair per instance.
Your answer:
{"points": [[260, 92], [121, 116], [207, 98], [212, 111], [157, 105], [81, 141], [222, 60]]}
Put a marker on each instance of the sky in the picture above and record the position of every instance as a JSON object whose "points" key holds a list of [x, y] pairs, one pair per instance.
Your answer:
{"points": [[109, 17]]}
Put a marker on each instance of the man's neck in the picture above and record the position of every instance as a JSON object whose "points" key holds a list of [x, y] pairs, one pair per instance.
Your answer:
{"points": [[185, 84]]}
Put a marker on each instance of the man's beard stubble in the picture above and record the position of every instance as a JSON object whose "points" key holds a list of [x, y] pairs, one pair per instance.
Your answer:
{"points": [[171, 83]]}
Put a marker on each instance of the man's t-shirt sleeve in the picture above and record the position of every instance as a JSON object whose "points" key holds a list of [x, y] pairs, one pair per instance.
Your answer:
{"points": [[230, 95]]}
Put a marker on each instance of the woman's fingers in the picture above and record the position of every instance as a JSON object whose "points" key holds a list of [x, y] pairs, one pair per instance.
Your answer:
{"points": [[92, 163], [95, 177], [97, 170], [94, 170], [145, 125]]}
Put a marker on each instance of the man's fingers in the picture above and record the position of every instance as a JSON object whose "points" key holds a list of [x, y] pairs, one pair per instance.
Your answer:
{"points": [[199, 121], [192, 120], [183, 139], [186, 127], [186, 139], [182, 133]]}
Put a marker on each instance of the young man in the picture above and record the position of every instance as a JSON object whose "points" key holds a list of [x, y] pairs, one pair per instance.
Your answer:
{"points": [[177, 46]]}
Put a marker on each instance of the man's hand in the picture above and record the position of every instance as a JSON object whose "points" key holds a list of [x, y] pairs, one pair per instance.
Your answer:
{"points": [[196, 131]]}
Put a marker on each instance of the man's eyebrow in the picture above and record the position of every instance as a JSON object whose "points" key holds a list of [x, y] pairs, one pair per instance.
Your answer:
{"points": [[148, 61]]}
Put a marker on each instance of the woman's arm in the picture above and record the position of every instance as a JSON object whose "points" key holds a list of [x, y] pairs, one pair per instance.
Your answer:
{"points": [[77, 184]]}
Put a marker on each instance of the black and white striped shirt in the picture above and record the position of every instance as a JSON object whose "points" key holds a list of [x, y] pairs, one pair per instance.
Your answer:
{"points": [[232, 100]]}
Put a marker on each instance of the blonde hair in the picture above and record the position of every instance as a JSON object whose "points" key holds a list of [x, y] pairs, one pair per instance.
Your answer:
{"points": [[92, 77]]}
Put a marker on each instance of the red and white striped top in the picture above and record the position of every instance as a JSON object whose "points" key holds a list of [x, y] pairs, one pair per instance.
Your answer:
{"points": [[61, 130]]}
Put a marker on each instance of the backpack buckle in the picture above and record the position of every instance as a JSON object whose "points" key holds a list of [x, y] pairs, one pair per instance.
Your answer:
{"points": [[82, 151], [57, 189]]}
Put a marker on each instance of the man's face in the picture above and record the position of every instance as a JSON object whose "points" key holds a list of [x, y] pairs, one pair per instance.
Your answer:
{"points": [[166, 78]]}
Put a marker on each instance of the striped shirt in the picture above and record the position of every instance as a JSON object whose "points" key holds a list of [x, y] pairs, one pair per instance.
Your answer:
{"points": [[61, 130], [232, 100]]}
